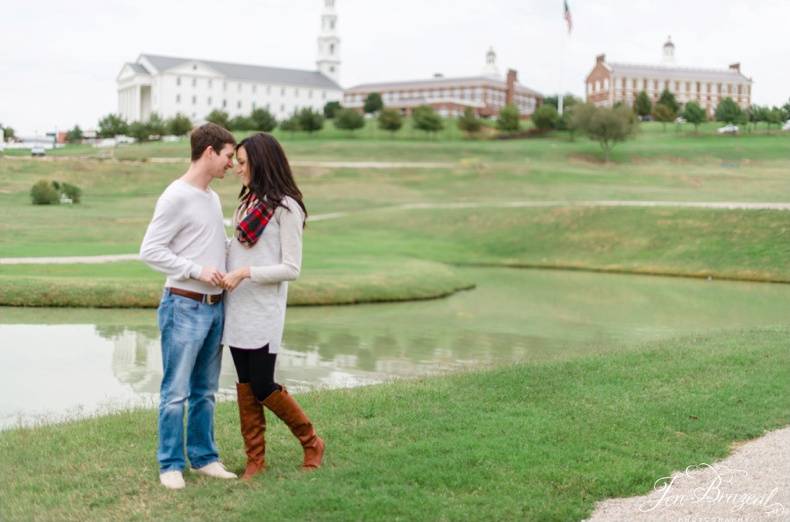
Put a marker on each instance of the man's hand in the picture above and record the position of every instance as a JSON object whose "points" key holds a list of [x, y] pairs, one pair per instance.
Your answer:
{"points": [[211, 275], [232, 279]]}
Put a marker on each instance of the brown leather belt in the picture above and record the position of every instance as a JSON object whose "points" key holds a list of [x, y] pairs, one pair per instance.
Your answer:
{"points": [[203, 298]]}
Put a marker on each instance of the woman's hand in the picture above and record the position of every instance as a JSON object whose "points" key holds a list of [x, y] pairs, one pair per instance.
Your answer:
{"points": [[233, 279]]}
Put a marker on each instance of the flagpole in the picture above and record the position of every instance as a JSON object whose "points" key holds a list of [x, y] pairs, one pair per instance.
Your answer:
{"points": [[569, 22]]}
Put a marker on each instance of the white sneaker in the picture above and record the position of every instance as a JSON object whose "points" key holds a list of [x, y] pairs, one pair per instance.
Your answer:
{"points": [[216, 470], [172, 480]]}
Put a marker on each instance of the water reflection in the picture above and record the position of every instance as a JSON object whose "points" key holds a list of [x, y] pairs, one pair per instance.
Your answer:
{"points": [[57, 363]]}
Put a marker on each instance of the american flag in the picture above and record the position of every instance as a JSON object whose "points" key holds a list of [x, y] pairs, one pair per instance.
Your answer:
{"points": [[568, 18]]}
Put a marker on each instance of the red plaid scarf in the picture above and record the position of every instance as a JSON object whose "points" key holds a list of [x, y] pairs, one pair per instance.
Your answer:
{"points": [[254, 215]]}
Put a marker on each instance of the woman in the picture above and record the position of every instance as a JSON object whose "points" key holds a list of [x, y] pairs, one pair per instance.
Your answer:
{"points": [[265, 253]]}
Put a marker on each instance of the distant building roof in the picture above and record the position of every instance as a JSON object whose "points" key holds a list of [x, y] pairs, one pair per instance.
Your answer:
{"points": [[244, 72], [437, 82], [138, 68], [674, 72]]}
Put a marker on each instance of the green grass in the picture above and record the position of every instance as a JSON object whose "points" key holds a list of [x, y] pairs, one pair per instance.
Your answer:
{"points": [[376, 236], [526, 442], [133, 285]]}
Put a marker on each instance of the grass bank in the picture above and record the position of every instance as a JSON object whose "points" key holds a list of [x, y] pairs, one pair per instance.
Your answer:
{"points": [[133, 285], [526, 442]]}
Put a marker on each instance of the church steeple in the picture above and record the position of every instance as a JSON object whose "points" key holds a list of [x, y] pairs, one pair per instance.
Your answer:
{"points": [[491, 69], [329, 43]]}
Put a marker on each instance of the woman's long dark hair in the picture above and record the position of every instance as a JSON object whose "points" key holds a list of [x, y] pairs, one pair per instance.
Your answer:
{"points": [[270, 174]]}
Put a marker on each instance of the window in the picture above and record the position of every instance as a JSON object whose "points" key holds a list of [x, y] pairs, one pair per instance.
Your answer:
{"points": [[209, 100], [194, 82], [268, 89], [238, 104], [254, 88], [238, 87], [224, 103], [323, 95], [253, 105], [282, 108], [178, 98], [310, 93], [194, 100], [178, 80], [224, 86], [331, 48], [282, 91], [296, 93], [210, 82]]}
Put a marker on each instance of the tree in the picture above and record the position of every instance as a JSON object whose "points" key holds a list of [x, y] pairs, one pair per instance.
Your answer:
{"points": [[112, 125], [156, 125], [469, 122], [219, 117], [668, 100], [568, 101], [546, 117], [310, 120], [349, 119], [611, 126], [331, 108], [390, 120], [643, 106], [727, 111], [579, 119], [373, 103], [179, 125], [241, 123], [74, 135], [786, 110], [774, 116], [509, 119], [262, 120], [663, 114], [426, 119], [8, 133], [694, 114]]}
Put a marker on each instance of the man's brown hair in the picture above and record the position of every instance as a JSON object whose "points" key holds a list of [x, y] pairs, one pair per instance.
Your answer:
{"points": [[209, 135]]}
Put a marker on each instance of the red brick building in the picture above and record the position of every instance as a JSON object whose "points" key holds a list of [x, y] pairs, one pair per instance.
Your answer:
{"points": [[611, 82], [487, 93]]}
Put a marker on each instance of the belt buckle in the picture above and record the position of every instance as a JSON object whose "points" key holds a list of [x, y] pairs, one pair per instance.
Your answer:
{"points": [[212, 299]]}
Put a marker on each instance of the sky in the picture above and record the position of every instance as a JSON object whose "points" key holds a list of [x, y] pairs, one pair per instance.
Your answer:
{"points": [[59, 60]]}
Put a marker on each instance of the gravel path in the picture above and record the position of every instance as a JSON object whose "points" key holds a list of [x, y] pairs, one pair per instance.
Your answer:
{"points": [[751, 484]]}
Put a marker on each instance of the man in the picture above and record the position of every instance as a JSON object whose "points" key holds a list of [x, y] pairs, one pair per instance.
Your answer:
{"points": [[186, 241]]}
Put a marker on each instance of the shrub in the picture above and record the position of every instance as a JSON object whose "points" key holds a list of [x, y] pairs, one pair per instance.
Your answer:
{"points": [[44, 193], [349, 119], [179, 125], [262, 120], [545, 117], [219, 117], [426, 119], [373, 103], [291, 124], [469, 122], [331, 108], [509, 119], [310, 120], [73, 192], [390, 120]]}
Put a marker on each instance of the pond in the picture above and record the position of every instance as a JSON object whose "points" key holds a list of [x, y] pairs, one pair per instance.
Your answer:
{"points": [[58, 364]]}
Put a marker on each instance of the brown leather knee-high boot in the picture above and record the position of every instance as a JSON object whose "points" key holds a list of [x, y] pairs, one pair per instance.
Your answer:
{"points": [[253, 429], [284, 406]]}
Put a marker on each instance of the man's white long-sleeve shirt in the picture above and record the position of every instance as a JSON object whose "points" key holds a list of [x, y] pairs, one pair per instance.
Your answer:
{"points": [[186, 234]]}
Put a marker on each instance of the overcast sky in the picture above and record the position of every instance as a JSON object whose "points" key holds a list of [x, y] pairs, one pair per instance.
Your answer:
{"points": [[59, 60]]}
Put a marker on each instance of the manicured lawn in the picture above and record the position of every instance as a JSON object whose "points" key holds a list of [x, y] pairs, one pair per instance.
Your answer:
{"points": [[527, 442]]}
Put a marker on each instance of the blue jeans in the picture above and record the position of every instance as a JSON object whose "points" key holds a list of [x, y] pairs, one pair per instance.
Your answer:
{"points": [[191, 358]]}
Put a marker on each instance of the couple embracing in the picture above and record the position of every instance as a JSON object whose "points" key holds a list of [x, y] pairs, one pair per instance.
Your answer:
{"points": [[225, 291]]}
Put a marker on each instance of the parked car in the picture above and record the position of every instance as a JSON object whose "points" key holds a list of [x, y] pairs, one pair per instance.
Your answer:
{"points": [[38, 151], [728, 129]]}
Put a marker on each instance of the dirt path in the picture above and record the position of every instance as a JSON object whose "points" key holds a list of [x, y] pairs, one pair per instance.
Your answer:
{"points": [[751, 484]]}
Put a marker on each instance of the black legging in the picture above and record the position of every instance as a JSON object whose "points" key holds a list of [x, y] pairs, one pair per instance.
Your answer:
{"points": [[257, 368]]}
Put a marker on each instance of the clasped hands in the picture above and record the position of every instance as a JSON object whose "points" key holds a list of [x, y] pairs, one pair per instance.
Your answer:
{"points": [[229, 281]]}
